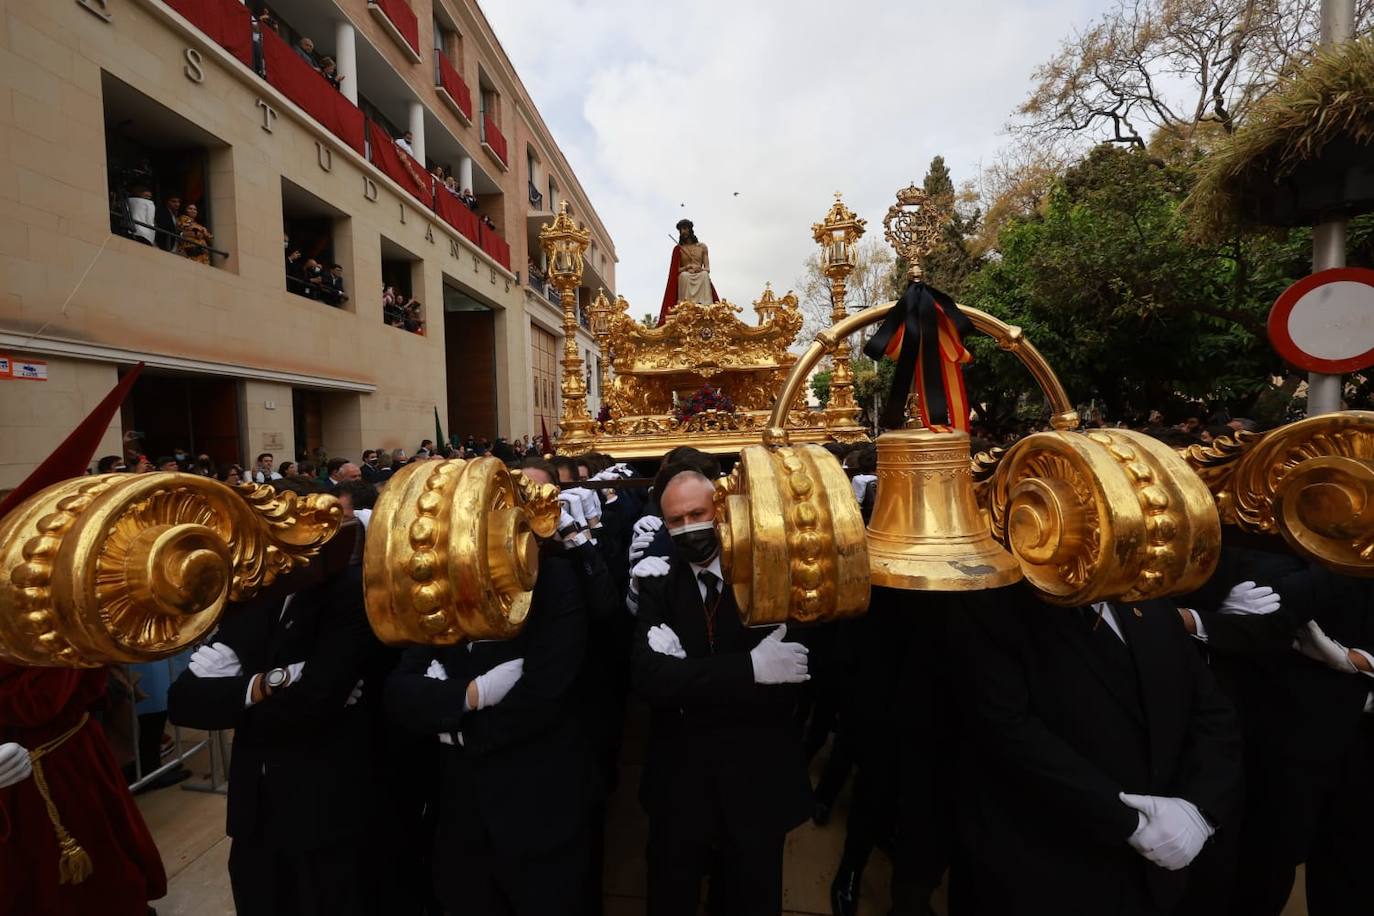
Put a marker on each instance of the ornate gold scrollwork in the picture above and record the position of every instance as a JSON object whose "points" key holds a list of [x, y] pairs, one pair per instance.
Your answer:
{"points": [[1104, 514], [792, 537], [452, 553], [128, 568], [1311, 482]]}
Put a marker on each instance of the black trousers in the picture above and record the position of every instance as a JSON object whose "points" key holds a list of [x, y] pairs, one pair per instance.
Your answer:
{"points": [[483, 882], [333, 881], [748, 865], [1339, 879]]}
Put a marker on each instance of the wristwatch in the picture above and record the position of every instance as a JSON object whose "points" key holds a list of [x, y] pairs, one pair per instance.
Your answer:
{"points": [[276, 678]]}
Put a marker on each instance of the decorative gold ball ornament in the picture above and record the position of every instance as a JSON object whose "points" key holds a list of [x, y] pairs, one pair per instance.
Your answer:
{"points": [[792, 537], [126, 568], [452, 552], [1107, 514]]}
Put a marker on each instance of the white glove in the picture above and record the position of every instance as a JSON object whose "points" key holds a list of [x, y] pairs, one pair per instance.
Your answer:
{"points": [[296, 670], [621, 470], [1247, 598], [15, 765], [648, 568], [1319, 647], [355, 695], [591, 506], [778, 662], [493, 686], [215, 660], [572, 524], [649, 524], [644, 531], [1171, 832], [664, 641]]}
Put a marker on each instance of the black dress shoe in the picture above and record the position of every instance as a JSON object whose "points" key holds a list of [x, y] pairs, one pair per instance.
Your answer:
{"points": [[820, 815], [844, 892]]}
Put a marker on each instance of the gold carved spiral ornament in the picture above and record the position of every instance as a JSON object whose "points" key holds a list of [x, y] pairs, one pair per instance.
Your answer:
{"points": [[121, 568], [792, 537], [452, 553], [1104, 514]]}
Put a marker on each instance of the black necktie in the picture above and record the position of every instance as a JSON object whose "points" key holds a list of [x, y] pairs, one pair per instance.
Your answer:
{"points": [[712, 601]]}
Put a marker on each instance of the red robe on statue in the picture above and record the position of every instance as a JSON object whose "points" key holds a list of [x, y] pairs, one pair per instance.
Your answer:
{"points": [[670, 294], [92, 801]]}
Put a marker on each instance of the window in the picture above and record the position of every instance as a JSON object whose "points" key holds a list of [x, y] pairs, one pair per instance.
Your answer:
{"points": [[159, 178], [318, 242], [402, 276]]}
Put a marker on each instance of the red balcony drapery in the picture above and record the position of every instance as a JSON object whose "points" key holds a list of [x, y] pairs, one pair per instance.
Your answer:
{"points": [[453, 84], [303, 85], [456, 213], [492, 243], [227, 23], [400, 167], [491, 135], [404, 19]]}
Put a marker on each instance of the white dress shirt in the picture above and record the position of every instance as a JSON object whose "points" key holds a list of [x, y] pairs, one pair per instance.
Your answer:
{"points": [[714, 567]]}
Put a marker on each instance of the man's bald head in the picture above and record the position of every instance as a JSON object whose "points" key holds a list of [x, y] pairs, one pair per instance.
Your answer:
{"points": [[688, 497]]}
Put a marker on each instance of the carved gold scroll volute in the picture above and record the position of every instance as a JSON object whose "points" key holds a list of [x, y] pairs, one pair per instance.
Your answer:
{"points": [[1104, 514], [452, 552], [129, 568]]}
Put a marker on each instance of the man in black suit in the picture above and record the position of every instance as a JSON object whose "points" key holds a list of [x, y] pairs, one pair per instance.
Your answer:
{"points": [[1101, 757], [518, 781], [166, 222], [290, 674], [724, 767]]}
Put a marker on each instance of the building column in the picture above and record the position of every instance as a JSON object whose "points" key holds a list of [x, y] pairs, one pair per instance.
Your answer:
{"points": [[465, 174], [417, 131], [346, 57]]}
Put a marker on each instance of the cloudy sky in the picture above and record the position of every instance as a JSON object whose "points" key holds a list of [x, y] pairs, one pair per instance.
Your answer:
{"points": [[746, 116]]}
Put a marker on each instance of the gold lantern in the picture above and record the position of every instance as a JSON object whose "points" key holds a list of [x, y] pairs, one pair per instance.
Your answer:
{"points": [[838, 234], [564, 244]]}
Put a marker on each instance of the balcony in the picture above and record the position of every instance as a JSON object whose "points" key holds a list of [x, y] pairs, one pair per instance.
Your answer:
{"points": [[396, 18], [494, 141], [227, 23], [451, 88]]}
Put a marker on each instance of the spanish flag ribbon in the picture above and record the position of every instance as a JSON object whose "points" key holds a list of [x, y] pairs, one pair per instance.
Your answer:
{"points": [[924, 332]]}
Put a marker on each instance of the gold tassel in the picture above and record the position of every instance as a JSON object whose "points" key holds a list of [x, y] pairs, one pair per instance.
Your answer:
{"points": [[74, 864]]}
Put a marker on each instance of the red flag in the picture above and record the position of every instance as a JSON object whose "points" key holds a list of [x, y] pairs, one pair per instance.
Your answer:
{"points": [[73, 456], [545, 445]]}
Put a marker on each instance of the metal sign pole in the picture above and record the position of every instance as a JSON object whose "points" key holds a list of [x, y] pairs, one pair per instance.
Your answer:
{"points": [[1328, 239]]}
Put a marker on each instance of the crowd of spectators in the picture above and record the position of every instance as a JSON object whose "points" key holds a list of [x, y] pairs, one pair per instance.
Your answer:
{"points": [[310, 278], [174, 226], [443, 180], [402, 311], [1190, 424]]}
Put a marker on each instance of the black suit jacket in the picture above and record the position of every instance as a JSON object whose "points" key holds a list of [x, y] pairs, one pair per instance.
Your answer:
{"points": [[523, 780], [303, 766], [720, 746], [1058, 724], [166, 220]]}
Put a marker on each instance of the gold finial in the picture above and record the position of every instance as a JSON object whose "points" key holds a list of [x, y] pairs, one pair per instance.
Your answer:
{"points": [[913, 226]]}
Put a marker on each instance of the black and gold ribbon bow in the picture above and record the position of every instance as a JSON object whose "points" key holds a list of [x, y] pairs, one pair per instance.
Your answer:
{"points": [[925, 332]]}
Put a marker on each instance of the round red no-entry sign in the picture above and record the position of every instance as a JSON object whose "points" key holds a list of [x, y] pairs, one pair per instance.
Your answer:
{"points": [[1325, 322]]}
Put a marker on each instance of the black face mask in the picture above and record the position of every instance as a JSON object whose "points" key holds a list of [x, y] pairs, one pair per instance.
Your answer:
{"points": [[696, 542]]}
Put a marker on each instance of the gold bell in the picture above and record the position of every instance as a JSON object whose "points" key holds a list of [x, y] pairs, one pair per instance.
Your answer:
{"points": [[927, 532]]}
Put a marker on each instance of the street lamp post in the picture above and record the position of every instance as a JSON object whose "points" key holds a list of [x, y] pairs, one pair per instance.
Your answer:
{"points": [[564, 244], [838, 234]]}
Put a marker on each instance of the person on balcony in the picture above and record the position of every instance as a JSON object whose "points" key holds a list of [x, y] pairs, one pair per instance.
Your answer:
{"points": [[405, 142], [167, 217], [195, 238], [329, 70], [305, 50], [143, 212], [689, 272]]}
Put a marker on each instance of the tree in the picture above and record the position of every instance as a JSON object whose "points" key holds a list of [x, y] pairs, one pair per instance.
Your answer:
{"points": [[948, 266], [1105, 283], [1170, 67], [820, 386], [867, 285]]}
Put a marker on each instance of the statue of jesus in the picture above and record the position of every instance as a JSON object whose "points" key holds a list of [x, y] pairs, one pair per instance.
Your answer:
{"points": [[689, 273]]}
